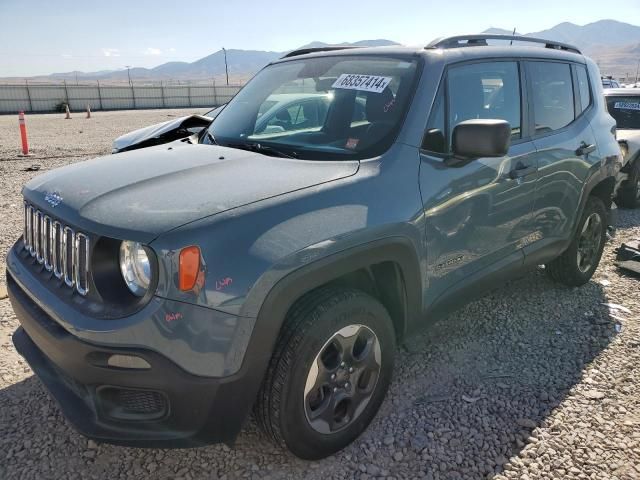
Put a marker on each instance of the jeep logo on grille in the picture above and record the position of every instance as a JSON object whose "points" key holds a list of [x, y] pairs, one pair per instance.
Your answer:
{"points": [[53, 198]]}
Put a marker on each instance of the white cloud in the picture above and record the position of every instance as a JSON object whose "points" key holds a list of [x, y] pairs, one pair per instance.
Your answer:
{"points": [[66, 55], [153, 51], [172, 50], [111, 52]]}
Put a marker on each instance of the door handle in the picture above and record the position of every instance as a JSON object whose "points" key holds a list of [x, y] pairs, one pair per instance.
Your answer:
{"points": [[522, 171], [585, 149]]}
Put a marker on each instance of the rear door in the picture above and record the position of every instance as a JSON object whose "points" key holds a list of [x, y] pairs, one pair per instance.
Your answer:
{"points": [[478, 216], [561, 108]]}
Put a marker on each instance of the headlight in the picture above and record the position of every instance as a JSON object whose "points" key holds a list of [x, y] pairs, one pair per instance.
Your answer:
{"points": [[135, 267]]}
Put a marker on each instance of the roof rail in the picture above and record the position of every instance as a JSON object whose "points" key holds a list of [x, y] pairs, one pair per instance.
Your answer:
{"points": [[481, 40], [304, 51]]}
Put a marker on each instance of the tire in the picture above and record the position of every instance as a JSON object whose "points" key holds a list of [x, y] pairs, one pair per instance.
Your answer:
{"points": [[285, 411], [629, 194], [571, 268]]}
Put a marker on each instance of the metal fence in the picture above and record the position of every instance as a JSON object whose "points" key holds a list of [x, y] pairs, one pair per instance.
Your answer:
{"points": [[52, 97]]}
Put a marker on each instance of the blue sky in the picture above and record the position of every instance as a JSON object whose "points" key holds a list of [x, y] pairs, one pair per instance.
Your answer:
{"points": [[41, 37]]}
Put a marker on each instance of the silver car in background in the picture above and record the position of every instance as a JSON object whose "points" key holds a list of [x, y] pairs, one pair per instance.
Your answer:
{"points": [[624, 106]]}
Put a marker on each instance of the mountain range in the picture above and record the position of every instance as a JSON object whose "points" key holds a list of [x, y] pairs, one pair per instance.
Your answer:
{"points": [[614, 45]]}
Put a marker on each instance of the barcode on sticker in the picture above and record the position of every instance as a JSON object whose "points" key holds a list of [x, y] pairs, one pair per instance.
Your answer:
{"points": [[627, 105], [364, 83]]}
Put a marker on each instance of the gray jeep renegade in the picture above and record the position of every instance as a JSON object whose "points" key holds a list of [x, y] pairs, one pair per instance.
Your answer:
{"points": [[274, 266]]}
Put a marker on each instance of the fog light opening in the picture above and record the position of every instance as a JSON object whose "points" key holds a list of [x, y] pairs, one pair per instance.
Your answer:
{"points": [[128, 361]]}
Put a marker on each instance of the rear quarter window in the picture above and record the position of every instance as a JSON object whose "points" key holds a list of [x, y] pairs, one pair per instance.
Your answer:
{"points": [[583, 87]]}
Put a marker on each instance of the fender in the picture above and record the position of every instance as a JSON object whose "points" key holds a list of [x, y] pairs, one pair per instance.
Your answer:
{"points": [[604, 174], [289, 288]]}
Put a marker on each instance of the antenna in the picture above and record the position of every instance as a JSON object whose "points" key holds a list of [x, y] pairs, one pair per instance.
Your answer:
{"points": [[513, 34]]}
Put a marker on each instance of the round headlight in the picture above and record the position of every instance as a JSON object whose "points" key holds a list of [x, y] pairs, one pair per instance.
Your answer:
{"points": [[135, 267]]}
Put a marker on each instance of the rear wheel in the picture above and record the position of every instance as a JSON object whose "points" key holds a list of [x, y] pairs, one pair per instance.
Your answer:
{"points": [[329, 373], [577, 264], [629, 194]]}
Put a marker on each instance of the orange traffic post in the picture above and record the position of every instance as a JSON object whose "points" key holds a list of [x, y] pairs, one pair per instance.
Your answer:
{"points": [[23, 135]]}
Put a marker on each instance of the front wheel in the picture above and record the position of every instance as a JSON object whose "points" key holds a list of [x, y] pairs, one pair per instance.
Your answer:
{"points": [[577, 264], [329, 373]]}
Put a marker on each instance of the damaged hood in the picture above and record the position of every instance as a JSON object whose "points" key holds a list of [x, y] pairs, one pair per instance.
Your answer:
{"points": [[141, 194], [160, 133]]}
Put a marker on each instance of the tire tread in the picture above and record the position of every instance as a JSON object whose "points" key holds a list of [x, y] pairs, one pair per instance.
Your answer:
{"points": [[564, 269], [304, 313]]}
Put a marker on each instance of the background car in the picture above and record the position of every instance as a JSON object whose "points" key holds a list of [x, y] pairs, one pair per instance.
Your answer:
{"points": [[609, 82], [280, 113], [164, 132], [288, 112], [624, 107]]}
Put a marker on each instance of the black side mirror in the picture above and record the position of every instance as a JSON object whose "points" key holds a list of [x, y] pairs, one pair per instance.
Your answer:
{"points": [[481, 138]]}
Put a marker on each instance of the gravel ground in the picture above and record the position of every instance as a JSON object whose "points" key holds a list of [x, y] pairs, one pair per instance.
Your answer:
{"points": [[533, 381]]}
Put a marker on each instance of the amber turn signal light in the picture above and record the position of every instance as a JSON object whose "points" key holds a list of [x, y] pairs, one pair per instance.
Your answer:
{"points": [[188, 268]]}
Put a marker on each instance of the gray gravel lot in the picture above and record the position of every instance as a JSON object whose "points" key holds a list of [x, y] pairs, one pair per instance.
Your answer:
{"points": [[533, 381]]}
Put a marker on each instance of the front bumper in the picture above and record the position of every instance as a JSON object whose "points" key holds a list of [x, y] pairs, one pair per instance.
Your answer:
{"points": [[202, 373], [162, 406], [200, 340]]}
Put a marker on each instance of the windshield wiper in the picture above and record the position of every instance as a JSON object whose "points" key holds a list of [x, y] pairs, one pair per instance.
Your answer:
{"points": [[264, 149]]}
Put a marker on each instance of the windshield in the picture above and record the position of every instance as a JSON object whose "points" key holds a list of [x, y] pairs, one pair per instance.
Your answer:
{"points": [[215, 112], [625, 110], [337, 107]]}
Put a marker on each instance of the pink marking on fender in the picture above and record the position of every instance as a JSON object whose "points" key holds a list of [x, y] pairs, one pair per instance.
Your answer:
{"points": [[225, 282], [172, 317]]}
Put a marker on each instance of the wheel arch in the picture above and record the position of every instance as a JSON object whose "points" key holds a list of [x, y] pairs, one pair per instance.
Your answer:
{"points": [[393, 252], [603, 190], [601, 186], [387, 269]]}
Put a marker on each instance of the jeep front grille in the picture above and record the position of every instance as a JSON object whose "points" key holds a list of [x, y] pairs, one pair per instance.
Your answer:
{"points": [[58, 247]]}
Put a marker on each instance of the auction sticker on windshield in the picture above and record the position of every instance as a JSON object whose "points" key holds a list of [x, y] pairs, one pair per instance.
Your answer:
{"points": [[627, 105], [364, 83]]}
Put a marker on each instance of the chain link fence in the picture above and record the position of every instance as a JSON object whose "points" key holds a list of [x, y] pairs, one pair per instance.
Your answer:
{"points": [[52, 97]]}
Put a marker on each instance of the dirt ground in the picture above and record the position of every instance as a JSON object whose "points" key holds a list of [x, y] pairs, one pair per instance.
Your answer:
{"points": [[533, 381]]}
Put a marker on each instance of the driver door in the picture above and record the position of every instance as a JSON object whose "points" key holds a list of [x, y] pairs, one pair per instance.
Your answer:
{"points": [[478, 216]]}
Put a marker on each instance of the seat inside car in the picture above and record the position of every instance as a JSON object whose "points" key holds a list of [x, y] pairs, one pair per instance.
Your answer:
{"points": [[381, 114]]}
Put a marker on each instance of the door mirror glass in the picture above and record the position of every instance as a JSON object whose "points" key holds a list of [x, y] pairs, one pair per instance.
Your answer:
{"points": [[481, 138]]}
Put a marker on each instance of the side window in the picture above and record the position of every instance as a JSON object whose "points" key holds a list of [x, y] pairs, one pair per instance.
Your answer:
{"points": [[552, 95], [296, 114], [583, 87], [484, 90]]}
